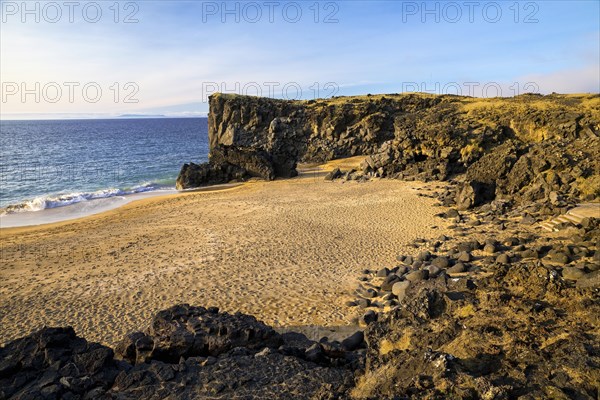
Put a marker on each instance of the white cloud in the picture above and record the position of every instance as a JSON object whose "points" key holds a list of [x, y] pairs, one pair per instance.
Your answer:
{"points": [[576, 80]]}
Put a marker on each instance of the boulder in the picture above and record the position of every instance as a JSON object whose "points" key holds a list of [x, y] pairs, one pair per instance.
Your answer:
{"points": [[335, 174], [474, 193]]}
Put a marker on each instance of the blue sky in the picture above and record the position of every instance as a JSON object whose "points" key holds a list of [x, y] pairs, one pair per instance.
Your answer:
{"points": [[172, 54]]}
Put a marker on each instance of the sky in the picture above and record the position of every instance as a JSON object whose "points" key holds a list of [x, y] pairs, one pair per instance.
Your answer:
{"points": [[106, 58]]}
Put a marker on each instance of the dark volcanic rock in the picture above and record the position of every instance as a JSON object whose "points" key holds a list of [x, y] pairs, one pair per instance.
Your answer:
{"points": [[196, 175], [255, 162], [185, 331], [474, 193], [55, 363], [336, 173], [519, 149], [190, 352]]}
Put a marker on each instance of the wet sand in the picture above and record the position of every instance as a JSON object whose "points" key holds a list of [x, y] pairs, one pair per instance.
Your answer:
{"points": [[288, 252]]}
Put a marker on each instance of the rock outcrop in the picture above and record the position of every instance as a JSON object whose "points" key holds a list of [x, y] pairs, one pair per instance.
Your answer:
{"points": [[187, 352], [521, 148]]}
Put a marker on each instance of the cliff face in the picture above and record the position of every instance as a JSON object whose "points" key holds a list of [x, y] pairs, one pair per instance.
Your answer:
{"points": [[523, 147]]}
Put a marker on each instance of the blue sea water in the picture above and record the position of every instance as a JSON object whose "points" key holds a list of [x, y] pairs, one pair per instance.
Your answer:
{"points": [[54, 163]]}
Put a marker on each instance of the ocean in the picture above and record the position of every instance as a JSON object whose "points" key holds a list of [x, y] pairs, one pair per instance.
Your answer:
{"points": [[59, 163]]}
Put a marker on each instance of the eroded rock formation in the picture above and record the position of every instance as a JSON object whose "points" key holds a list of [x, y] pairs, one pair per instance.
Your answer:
{"points": [[522, 148]]}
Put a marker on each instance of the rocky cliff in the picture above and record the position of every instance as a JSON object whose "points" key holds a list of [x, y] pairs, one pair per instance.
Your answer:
{"points": [[521, 148]]}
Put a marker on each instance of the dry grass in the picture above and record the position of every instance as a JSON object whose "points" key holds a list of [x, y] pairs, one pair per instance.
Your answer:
{"points": [[589, 186], [369, 383]]}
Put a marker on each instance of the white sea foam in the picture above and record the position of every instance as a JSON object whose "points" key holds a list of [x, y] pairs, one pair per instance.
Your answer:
{"points": [[61, 200]]}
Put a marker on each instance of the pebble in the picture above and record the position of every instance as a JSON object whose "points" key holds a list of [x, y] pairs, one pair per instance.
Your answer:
{"points": [[489, 248], [503, 259], [399, 289], [464, 256], [434, 270], [452, 213], [423, 256], [441, 262], [363, 303], [336, 173], [418, 275], [457, 268], [351, 304], [383, 272], [528, 220], [560, 258], [469, 246], [572, 273], [529, 253], [369, 317], [264, 352], [353, 342]]}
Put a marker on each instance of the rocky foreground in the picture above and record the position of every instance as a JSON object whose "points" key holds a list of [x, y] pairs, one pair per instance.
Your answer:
{"points": [[186, 353]]}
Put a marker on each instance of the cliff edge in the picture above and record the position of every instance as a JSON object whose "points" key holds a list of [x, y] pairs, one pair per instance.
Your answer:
{"points": [[521, 148]]}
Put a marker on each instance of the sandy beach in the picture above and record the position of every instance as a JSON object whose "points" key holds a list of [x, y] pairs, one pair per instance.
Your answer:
{"points": [[288, 252]]}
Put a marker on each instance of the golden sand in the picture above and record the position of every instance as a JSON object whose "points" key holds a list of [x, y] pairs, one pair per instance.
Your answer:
{"points": [[288, 252]]}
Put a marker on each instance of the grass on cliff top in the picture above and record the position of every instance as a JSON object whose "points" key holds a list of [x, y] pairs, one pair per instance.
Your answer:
{"points": [[583, 102], [587, 100], [485, 111]]}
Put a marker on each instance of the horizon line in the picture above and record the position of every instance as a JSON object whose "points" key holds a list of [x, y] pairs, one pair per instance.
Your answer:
{"points": [[81, 117]]}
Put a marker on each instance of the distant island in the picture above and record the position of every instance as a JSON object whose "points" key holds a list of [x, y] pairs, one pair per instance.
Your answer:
{"points": [[142, 116]]}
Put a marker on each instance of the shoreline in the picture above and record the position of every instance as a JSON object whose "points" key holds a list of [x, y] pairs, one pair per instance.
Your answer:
{"points": [[67, 213], [73, 212], [269, 249]]}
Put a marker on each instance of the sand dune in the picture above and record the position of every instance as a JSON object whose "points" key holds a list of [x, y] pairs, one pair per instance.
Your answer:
{"points": [[288, 252]]}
